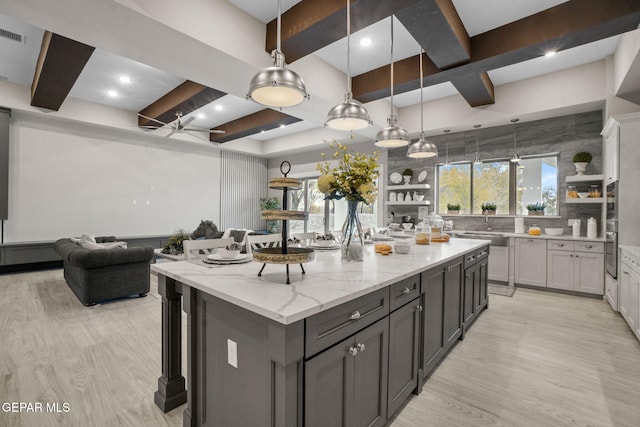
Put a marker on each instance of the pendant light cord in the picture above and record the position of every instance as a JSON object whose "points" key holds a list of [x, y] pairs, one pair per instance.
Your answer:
{"points": [[391, 64], [278, 31], [421, 100], [348, 46]]}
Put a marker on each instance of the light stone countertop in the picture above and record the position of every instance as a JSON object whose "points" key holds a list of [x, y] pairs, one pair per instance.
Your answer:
{"points": [[632, 250], [542, 236], [328, 282]]}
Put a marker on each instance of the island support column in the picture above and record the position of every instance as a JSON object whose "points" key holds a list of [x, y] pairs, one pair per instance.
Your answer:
{"points": [[171, 391]]}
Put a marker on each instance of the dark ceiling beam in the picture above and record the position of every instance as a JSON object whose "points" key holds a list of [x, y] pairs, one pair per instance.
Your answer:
{"points": [[437, 27], [570, 24], [252, 124], [312, 24], [59, 65], [476, 89], [187, 97]]}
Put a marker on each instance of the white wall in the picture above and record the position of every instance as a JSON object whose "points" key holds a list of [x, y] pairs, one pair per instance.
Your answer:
{"points": [[66, 179]]}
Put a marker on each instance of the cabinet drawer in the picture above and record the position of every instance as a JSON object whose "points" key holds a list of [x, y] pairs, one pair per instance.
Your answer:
{"points": [[331, 326], [404, 291], [595, 247], [560, 245]]}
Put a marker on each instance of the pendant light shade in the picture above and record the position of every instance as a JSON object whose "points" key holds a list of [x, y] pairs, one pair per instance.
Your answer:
{"points": [[351, 114], [422, 148], [277, 86], [392, 135], [447, 162]]}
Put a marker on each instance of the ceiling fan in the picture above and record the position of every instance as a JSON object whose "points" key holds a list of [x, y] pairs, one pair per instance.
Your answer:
{"points": [[177, 126]]}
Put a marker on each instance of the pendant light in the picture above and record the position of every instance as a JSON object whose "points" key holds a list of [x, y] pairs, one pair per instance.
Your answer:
{"points": [[351, 114], [392, 135], [277, 86], [447, 162], [476, 158], [422, 148], [515, 158]]}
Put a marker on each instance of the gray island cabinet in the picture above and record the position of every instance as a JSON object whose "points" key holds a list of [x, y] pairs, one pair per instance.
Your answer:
{"points": [[343, 345]]}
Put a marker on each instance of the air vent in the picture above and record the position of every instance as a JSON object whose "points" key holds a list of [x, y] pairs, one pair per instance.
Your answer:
{"points": [[11, 35]]}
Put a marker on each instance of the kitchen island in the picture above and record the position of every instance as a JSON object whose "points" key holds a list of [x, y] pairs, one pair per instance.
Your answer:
{"points": [[344, 344]]}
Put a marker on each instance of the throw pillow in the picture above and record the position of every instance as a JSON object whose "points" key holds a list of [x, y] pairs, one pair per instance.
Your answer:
{"points": [[238, 235]]}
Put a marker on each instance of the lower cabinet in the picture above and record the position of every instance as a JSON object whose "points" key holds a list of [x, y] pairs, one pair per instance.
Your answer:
{"points": [[475, 288], [442, 315], [499, 264], [404, 352], [531, 262], [576, 266], [346, 385]]}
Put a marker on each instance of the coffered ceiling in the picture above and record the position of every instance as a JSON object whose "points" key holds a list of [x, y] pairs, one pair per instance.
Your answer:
{"points": [[471, 47]]}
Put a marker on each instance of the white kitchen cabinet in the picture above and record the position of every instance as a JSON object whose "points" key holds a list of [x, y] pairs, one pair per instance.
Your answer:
{"points": [[499, 264], [611, 135], [575, 266], [531, 262], [630, 291]]}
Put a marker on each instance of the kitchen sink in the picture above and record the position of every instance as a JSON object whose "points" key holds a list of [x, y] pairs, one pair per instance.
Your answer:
{"points": [[496, 239]]}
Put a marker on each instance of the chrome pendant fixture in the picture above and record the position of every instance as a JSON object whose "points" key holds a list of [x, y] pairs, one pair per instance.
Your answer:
{"points": [[476, 158], [515, 158], [351, 114], [447, 162], [422, 148], [277, 86], [392, 135]]}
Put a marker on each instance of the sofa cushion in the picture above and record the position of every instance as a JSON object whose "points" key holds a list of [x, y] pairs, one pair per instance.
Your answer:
{"points": [[109, 245], [85, 258]]}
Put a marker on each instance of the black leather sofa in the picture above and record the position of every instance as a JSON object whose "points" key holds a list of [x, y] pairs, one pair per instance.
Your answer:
{"points": [[96, 275]]}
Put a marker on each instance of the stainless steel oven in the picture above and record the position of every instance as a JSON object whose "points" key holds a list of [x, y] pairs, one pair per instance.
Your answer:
{"points": [[611, 232]]}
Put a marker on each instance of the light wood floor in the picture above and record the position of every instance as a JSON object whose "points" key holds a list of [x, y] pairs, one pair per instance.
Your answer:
{"points": [[537, 359]]}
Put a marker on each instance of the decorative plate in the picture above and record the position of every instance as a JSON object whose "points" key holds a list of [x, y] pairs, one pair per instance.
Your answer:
{"points": [[216, 257], [325, 248], [395, 178], [227, 261], [422, 176]]}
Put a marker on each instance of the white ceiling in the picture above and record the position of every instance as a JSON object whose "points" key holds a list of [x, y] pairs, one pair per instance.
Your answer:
{"points": [[102, 72]]}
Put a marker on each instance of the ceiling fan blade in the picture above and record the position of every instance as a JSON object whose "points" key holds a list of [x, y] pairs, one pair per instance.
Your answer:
{"points": [[153, 120], [203, 130], [170, 133], [188, 120]]}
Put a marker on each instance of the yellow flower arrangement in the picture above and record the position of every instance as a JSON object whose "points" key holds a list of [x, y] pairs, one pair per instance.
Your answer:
{"points": [[353, 178]]}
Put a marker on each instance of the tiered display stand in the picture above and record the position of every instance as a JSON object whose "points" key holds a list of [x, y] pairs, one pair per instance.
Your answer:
{"points": [[283, 254]]}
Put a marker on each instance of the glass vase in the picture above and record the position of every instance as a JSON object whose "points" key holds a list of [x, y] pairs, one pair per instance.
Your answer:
{"points": [[352, 246]]}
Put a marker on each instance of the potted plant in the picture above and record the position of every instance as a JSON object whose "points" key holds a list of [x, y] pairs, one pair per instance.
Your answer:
{"points": [[174, 244], [453, 208], [489, 208], [581, 160], [406, 175], [536, 208]]}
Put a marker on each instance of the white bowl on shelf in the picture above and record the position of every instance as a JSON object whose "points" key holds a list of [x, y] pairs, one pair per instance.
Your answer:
{"points": [[407, 225], [583, 195], [554, 231]]}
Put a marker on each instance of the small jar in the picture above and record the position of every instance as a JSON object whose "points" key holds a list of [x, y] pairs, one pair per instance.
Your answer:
{"points": [[436, 222], [594, 191], [572, 193], [423, 233]]}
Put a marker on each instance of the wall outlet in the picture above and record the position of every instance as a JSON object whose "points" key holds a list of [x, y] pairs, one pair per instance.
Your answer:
{"points": [[232, 353]]}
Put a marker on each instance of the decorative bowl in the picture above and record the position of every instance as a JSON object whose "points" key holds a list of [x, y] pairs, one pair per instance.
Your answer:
{"points": [[407, 225], [553, 231], [227, 254], [324, 243], [583, 195], [419, 197]]}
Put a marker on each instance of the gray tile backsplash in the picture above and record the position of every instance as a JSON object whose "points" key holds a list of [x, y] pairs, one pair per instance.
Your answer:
{"points": [[566, 135]]}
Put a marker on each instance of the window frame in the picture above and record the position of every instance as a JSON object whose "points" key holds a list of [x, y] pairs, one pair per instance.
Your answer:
{"points": [[512, 181]]}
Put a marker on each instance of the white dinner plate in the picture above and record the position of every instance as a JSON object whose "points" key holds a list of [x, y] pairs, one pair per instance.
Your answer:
{"points": [[395, 178], [216, 257], [422, 176], [227, 261]]}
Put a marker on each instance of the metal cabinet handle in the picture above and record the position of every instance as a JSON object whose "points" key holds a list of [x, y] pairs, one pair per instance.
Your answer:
{"points": [[588, 246], [571, 255], [353, 351], [355, 315], [626, 272], [577, 256], [530, 240], [468, 276], [419, 307], [360, 347], [406, 291], [560, 245]]}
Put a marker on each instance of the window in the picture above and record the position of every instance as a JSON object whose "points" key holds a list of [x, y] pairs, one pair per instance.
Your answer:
{"points": [[510, 186], [311, 200]]}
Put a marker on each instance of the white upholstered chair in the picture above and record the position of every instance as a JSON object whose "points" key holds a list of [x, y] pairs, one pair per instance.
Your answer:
{"points": [[193, 248]]}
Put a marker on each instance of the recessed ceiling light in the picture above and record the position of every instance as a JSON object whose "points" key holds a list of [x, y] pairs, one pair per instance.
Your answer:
{"points": [[262, 131], [125, 79], [365, 42], [219, 107], [282, 125], [201, 115], [550, 53], [112, 93]]}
